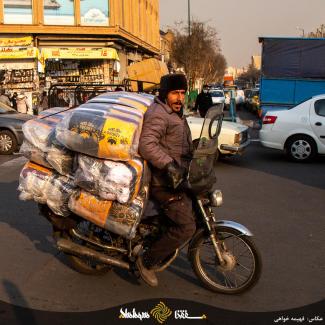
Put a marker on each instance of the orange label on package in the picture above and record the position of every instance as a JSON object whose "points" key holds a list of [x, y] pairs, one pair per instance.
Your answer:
{"points": [[38, 167], [93, 208]]}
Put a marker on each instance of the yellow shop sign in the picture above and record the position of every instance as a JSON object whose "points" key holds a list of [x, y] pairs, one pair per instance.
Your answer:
{"points": [[18, 41], [18, 52], [79, 53]]}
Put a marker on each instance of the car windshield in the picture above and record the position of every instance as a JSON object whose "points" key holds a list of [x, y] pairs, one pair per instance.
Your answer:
{"points": [[4, 109], [216, 93]]}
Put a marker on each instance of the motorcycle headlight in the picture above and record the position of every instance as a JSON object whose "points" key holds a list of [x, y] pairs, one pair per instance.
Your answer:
{"points": [[216, 198]]}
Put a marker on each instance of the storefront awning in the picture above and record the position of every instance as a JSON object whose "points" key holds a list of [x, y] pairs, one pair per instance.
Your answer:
{"points": [[79, 53], [18, 52]]}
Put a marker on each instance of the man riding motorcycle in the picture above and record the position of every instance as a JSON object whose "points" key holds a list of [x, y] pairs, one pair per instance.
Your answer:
{"points": [[166, 144]]}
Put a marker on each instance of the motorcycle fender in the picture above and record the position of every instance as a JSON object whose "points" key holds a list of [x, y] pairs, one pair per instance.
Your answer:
{"points": [[221, 223], [235, 225]]}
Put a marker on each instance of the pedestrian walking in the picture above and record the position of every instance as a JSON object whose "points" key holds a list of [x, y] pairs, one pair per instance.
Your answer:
{"points": [[203, 101], [22, 104]]}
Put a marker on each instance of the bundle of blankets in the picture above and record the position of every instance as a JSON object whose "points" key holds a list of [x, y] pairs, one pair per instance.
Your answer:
{"points": [[85, 161]]}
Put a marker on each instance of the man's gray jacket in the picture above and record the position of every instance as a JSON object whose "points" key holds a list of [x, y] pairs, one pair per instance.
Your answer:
{"points": [[165, 137]]}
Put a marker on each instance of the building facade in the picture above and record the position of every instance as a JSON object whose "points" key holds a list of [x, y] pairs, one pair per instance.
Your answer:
{"points": [[46, 42]]}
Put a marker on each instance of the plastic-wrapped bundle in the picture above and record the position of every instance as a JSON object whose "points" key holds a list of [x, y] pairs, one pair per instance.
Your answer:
{"points": [[111, 180], [40, 134], [34, 154], [59, 157], [102, 130], [111, 215], [38, 131], [138, 101], [44, 186]]}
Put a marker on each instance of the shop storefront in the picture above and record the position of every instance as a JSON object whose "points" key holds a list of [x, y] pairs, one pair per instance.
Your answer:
{"points": [[50, 43], [32, 70], [75, 66], [18, 67]]}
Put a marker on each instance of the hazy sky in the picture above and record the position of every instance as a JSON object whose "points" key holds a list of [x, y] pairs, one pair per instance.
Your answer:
{"points": [[240, 22]]}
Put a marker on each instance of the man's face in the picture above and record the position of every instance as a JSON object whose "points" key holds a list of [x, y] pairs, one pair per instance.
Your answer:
{"points": [[60, 95], [175, 99]]}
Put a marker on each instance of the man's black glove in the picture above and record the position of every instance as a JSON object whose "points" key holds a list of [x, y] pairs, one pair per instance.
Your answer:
{"points": [[175, 174]]}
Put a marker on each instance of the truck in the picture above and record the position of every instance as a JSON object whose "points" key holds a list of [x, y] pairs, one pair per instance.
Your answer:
{"points": [[228, 80], [293, 70]]}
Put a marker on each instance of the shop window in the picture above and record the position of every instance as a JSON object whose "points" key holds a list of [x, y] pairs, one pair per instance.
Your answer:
{"points": [[22, 13], [94, 12], [59, 12]]}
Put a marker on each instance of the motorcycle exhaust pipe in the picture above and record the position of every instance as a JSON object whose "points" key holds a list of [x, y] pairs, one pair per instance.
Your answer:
{"points": [[72, 248]]}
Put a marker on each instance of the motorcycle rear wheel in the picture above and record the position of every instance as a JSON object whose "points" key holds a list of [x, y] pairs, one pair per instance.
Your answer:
{"points": [[243, 264], [83, 264]]}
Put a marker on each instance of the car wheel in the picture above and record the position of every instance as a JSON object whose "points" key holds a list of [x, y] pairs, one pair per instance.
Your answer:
{"points": [[8, 142], [301, 148]]}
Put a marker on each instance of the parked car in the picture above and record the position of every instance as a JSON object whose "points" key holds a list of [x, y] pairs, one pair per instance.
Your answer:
{"points": [[298, 131], [11, 135], [233, 138], [217, 95]]}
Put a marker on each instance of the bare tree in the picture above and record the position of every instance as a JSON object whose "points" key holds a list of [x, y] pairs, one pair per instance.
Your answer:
{"points": [[252, 74], [198, 53], [319, 32]]}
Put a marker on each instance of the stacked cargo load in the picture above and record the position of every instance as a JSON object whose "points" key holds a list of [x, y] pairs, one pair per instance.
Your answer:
{"points": [[85, 161]]}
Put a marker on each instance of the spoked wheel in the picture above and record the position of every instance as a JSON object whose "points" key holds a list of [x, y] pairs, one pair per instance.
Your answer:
{"points": [[242, 267], [8, 143], [83, 264]]}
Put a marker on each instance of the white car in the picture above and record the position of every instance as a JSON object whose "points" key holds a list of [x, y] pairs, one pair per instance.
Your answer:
{"points": [[217, 95], [233, 138], [299, 131]]}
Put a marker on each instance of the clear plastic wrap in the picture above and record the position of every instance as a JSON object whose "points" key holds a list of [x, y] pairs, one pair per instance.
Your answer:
{"points": [[34, 154], [111, 180], [41, 138], [102, 130], [111, 215], [59, 157], [47, 187], [37, 132]]}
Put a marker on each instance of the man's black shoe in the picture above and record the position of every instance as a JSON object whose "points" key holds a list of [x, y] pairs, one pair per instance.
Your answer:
{"points": [[148, 276]]}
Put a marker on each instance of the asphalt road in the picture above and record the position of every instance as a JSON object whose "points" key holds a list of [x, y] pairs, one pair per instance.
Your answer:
{"points": [[281, 202]]}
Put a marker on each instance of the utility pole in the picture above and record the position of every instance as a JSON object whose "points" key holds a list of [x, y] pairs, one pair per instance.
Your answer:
{"points": [[189, 17]]}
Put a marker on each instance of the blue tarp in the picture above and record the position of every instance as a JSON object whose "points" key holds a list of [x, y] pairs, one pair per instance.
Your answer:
{"points": [[293, 58]]}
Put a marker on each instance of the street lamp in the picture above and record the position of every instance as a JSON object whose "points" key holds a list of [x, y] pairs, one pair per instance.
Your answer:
{"points": [[303, 31]]}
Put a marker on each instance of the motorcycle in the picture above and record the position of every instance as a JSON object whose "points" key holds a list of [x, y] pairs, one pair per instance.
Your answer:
{"points": [[221, 252]]}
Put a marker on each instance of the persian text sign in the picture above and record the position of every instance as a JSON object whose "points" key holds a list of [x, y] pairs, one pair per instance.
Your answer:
{"points": [[79, 53], [18, 52], [19, 41]]}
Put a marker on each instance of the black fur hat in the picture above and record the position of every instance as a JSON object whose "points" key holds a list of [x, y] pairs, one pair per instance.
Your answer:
{"points": [[170, 82]]}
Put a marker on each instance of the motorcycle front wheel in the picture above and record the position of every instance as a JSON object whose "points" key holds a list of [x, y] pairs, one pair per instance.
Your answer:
{"points": [[242, 267]]}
